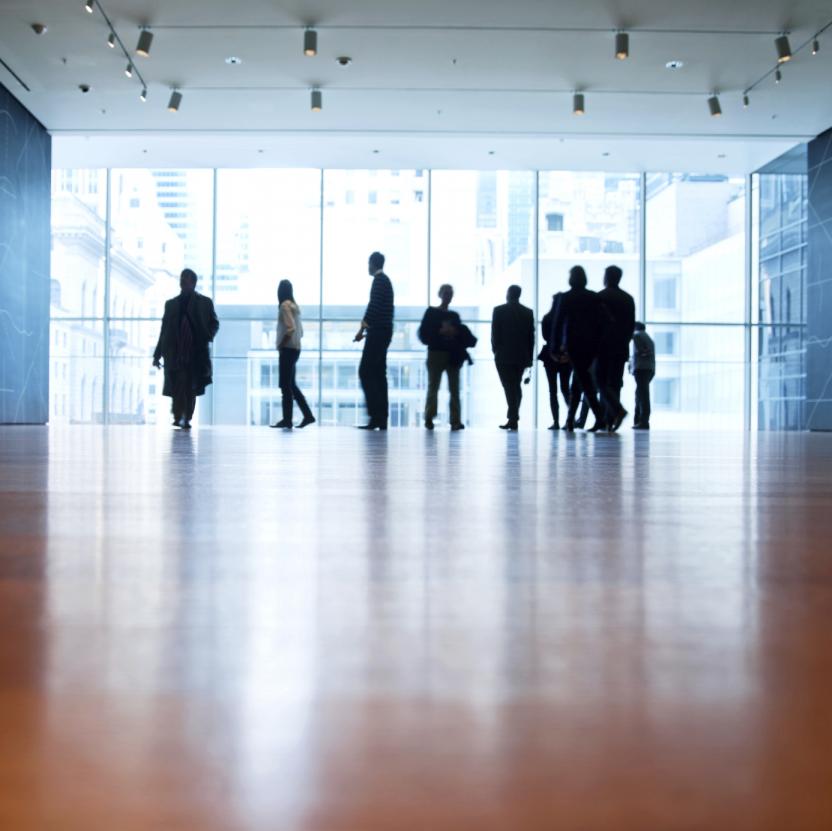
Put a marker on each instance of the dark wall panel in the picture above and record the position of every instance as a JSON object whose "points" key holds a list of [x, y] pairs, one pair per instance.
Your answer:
{"points": [[819, 286], [25, 170]]}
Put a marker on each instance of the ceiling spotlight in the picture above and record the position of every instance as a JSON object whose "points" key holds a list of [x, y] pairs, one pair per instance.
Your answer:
{"points": [[622, 46], [145, 41], [143, 95], [233, 60], [815, 46], [175, 101], [784, 50], [310, 43], [713, 105], [578, 107], [674, 65], [343, 60], [111, 41], [778, 76], [745, 101], [90, 6], [128, 70], [317, 103], [39, 28]]}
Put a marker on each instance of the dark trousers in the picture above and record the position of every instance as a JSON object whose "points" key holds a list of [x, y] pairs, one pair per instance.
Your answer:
{"points": [[183, 401], [610, 377], [511, 377], [439, 363], [372, 371], [582, 384], [642, 415], [288, 387], [557, 375]]}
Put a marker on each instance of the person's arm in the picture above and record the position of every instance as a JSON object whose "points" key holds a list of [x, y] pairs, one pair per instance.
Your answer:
{"points": [[157, 353], [495, 331], [531, 339], [288, 321], [372, 305], [423, 332], [213, 321]]}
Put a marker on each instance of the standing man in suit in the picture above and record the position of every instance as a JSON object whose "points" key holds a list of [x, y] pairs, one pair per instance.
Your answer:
{"points": [[578, 328], [512, 342], [557, 371], [189, 325], [615, 346], [376, 331], [643, 367]]}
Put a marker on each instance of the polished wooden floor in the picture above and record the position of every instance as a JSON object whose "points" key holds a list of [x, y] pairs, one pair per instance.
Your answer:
{"points": [[335, 631]]}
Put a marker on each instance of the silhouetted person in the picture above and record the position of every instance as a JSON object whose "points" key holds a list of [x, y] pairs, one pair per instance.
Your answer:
{"points": [[512, 342], [289, 335], [576, 335], [376, 331], [447, 341], [643, 367], [615, 346], [557, 370], [189, 325]]}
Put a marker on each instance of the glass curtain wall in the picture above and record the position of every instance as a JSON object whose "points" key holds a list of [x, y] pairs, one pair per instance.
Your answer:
{"points": [[245, 230]]}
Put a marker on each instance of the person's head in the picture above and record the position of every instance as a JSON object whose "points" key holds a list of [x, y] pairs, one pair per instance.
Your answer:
{"points": [[446, 293], [376, 262], [513, 294], [612, 276], [285, 291], [577, 277], [639, 326], [187, 281]]}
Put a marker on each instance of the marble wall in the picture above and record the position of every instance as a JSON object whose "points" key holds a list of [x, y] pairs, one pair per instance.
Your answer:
{"points": [[819, 286], [25, 171]]}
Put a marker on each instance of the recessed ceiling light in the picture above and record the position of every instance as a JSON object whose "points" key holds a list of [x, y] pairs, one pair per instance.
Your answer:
{"points": [[606, 153], [376, 152], [674, 65], [343, 60], [42, 29], [233, 60], [720, 155], [490, 152]]}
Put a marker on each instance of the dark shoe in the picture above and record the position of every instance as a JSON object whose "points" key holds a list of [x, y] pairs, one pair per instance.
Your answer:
{"points": [[456, 427], [555, 426], [186, 425], [618, 420], [307, 420], [369, 426], [282, 425], [428, 425], [641, 427], [509, 425], [569, 427], [597, 427]]}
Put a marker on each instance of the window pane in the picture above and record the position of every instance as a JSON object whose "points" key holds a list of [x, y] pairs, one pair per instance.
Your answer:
{"points": [[268, 229], [374, 210], [695, 248], [76, 362], [588, 219], [79, 208]]}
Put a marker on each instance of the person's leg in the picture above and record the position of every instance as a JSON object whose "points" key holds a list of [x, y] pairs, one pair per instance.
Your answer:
{"points": [[285, 366], [365, 375], [552, 377], [435, 365], [565, 376], [518, 391], [643, 378], [453, 389], [587, 386], [190, 407], [511, 376], [616, 382], [645, 405], [373, 374], [298, 396], [574, 400], [504, 371], [603, 381], [637, 411]]}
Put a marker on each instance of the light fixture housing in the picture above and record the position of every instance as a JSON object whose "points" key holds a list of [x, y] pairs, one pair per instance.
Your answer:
{"points": [[128, 70], [175, 101], [778, 76], [714, 106], [784, 49], [111, 41], [316, 101], [622, 46], [144, 44], [578, 104], [745, 101], [90, 6], [310, 43], [815, 46], [143, 95]]}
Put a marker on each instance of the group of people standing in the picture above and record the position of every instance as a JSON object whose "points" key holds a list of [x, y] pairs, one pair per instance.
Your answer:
{"points": [[587, 340]]}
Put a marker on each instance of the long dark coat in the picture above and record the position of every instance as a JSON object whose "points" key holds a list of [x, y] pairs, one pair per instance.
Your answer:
{"points": [[204, 325]]}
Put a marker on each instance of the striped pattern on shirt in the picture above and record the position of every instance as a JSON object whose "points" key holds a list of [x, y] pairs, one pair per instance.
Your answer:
{"points": [[379, 314]]}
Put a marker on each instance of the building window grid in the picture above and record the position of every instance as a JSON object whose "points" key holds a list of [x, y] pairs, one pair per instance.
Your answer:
{"points": [[747, 324]]}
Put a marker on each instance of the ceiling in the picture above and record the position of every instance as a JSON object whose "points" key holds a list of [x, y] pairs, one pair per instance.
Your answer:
{"points": [[467, 83]]}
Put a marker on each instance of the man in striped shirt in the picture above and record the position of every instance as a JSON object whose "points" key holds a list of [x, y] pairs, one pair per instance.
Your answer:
{"points": [[376, 331]]}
